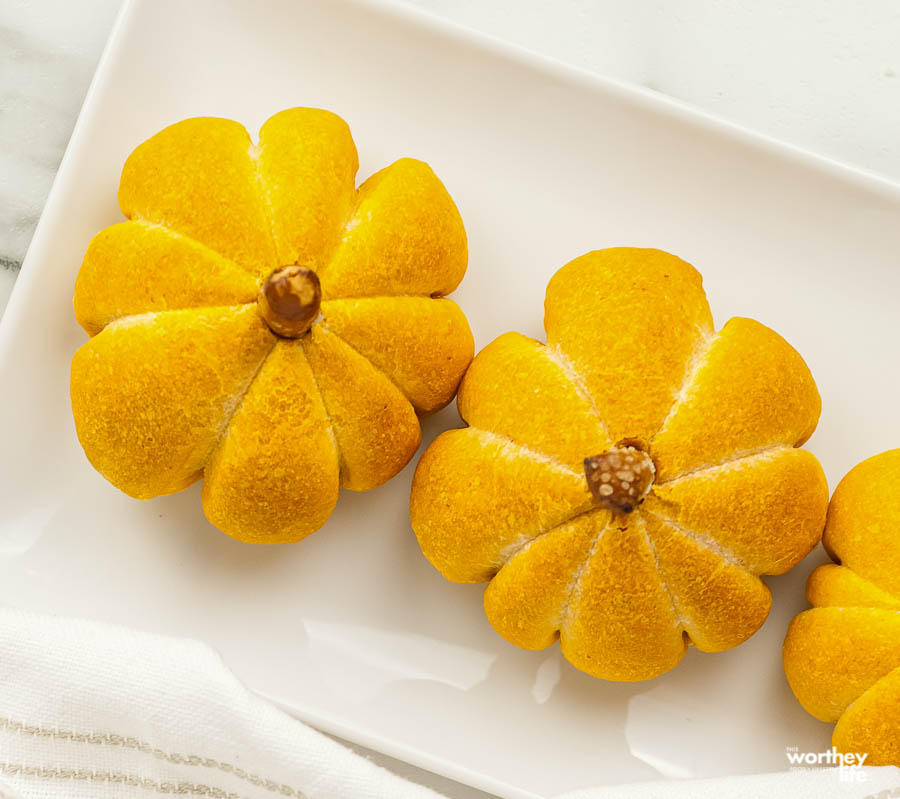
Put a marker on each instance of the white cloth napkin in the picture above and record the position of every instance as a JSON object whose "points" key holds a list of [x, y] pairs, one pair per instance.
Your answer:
{"points": [[91, 710], [94, 710]]}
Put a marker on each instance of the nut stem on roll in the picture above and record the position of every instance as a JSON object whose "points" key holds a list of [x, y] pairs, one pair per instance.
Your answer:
{"points": [[289, 300], [620, 478]]}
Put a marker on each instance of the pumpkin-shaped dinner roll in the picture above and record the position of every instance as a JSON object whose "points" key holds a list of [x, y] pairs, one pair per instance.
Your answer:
{"points": [[623, 486], [262, 323], [842, 657]]}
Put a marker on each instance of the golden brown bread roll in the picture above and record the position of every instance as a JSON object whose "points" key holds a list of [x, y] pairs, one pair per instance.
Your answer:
{"points": [[623, 486], [261, 322]]}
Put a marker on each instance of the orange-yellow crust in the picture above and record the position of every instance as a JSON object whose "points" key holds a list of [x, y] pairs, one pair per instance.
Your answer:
{"points": [[740, 507], [620, 622], [477, 497], [404, 236], [369, 326], [863, 530], [275, 476], [138, 267], [629, 322], [515, 387], [197, 177], [842, 657], [183, 376], [718, 601], [872, 723], [526, 600], [374, 425], [306, 162], [630, 359], [152, 394], [751, 392]]}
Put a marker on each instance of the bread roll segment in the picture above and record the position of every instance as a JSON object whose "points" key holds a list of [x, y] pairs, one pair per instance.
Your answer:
{"points": [[138, 267], [374, 425], [863, 530], [630, 322], [198, 178], [768, 510], [519, 388], [275, 474], [622, 623], [403, 236], [393, 334], [152, 394], [306, 166], [751, 391], [527, 600]]}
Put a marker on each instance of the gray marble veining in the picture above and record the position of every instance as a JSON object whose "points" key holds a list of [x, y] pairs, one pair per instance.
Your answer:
{"points": [[48, 53]]}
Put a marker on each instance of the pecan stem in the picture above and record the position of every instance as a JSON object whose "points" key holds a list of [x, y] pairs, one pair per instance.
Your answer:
{"points": [[620, 478], [289, 300]]}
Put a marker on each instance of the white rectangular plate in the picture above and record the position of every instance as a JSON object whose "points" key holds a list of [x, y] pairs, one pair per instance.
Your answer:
{"points": [[352, 629]]}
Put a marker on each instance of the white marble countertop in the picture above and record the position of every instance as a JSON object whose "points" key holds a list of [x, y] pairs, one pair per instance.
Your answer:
{"points": [[821, 74]]}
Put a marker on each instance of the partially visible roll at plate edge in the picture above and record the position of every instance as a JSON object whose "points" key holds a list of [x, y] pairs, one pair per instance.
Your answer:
{"points": [[842, 657]]}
